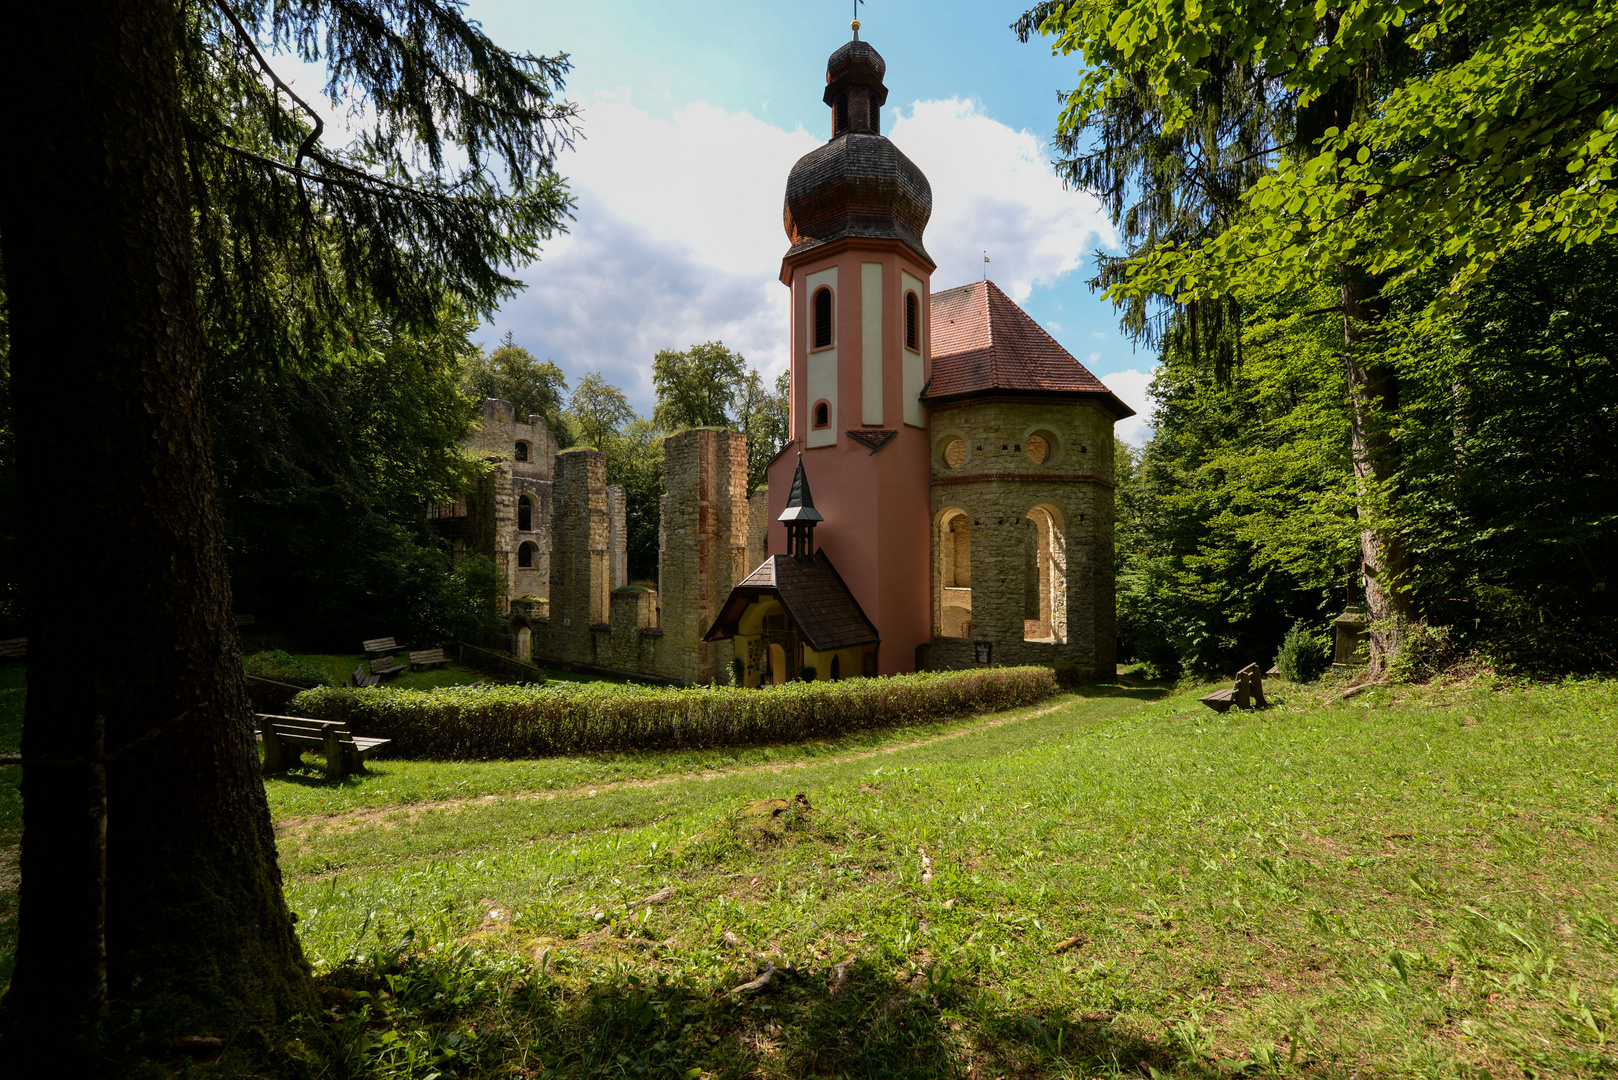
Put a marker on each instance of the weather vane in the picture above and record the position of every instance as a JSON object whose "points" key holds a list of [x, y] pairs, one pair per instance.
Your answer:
{"points": [[856, 23]]}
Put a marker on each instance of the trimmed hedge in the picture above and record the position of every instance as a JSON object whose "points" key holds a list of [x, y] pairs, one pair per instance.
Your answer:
{"points": [[473, 722]]}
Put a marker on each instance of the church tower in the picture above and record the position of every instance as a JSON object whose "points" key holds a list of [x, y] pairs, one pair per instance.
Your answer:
{"points": [[861, 279]]}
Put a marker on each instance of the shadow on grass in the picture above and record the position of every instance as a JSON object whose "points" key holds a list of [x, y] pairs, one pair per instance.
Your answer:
{"points": [[811, 1024]]}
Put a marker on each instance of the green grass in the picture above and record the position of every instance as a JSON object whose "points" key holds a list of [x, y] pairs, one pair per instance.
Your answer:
{"points": [[13, 690], [1403, 884], [1410, 883]]}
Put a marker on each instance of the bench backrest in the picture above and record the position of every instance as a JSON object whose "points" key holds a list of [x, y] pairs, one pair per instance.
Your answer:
{"points": [[381, 644], [302, 727], [427, 655]]}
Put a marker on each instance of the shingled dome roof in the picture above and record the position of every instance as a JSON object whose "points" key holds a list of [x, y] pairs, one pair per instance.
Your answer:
{"points": [[983, 344], [858, 184]]}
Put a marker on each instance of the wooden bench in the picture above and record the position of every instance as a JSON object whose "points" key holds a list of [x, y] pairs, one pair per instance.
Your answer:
{"points": [[14, 649], [384, 666], [422, 658], [1248, 693], [287, 737], [379, 646], [359, 678]]}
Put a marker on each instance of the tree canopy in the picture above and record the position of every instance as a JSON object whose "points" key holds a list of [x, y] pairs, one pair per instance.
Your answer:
{"points": [[512, 373], [696, 388]]}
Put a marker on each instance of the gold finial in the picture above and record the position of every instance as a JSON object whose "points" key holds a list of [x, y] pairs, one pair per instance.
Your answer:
{"points": [[855, 25]]}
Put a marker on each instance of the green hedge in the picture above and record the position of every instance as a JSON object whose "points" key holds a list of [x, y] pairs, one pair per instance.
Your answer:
{"points": [[467, 722]]}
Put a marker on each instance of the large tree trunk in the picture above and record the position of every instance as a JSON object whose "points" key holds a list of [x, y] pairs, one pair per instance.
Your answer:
{"points": [[128, 599], [1373, 390]]}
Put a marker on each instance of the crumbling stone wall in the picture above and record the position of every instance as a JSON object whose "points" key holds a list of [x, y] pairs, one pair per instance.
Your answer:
{"points": [[758, 527], [703, 551], [496, 533], [1050, 579]]}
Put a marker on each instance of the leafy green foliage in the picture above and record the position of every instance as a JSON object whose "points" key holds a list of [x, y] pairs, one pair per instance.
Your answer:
{"points": [[512, 373], [1236, 520], [323, 477], [598, 410], [1493, 124], [696, 388], [1303, 656], [562, 718], [762, 417]]}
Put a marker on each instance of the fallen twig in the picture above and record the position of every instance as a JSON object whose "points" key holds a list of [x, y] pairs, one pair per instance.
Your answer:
{"points": [[659, 897], [759, 983], [1069, 943]]}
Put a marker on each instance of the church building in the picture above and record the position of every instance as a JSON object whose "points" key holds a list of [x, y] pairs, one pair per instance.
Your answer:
{"points": [[961, 460]]}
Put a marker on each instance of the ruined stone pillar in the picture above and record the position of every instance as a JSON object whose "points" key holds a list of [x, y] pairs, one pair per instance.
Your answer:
{"points": [[579, 575], [758, 527], [617, 537], [703, 552]]}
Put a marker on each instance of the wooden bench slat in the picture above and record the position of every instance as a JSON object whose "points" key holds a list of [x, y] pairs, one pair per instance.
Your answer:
{"points": [[380, 645], [285, 738]]}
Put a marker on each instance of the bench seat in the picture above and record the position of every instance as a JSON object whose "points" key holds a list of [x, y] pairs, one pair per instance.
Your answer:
{"points": [[427, 658], [286, 738], [385, 666], [1219, 700]]}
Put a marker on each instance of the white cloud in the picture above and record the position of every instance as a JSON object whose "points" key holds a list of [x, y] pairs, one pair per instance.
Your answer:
{"points": [[1054, 327], [1130, 387], [994, 190], [1094, 357], [678, 237]]}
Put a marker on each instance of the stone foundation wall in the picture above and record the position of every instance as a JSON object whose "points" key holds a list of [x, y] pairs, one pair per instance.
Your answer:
{"points": [[1050, 579]]}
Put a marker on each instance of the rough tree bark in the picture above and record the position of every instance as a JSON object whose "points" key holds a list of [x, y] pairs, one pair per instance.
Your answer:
{"points": [[1373, 390], [128, 599]]}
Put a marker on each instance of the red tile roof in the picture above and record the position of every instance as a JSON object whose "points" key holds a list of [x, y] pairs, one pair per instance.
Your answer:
{"points": [[983, 343]]}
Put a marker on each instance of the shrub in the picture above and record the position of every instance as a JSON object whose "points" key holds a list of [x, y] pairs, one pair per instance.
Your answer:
{"points": [[284, 667], [563, 718], [808, 673], [1303, 656], [738, 671], [1068, 675]]}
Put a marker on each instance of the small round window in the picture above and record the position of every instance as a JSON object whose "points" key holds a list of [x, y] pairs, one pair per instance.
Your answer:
{"points": [[1039, 447], [955, 452]]}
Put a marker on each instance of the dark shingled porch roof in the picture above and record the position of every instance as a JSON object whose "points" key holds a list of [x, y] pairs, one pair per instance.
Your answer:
{"points": [[814, 596], [983, 344]]}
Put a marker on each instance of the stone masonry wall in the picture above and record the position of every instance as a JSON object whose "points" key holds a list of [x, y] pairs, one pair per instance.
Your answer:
{"points": [[704, 547], [497, 440], [617, 537], [995, 484], [758, 527], [579, 589]]}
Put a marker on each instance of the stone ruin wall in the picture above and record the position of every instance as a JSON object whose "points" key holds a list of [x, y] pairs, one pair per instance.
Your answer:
{"points": [[494, 504], [595, 617], [995, 485]]}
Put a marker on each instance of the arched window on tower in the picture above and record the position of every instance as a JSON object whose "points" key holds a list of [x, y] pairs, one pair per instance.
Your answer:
{"points": [[822, 318], [525, 554], [521, 452], [525, 513], [912, 322], [822, 414]]}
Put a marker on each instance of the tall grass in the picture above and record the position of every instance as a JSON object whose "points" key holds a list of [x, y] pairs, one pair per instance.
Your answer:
{"points": [[530, 721]]}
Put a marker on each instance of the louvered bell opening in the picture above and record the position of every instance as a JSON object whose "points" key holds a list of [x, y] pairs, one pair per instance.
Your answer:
{"points": [[822, 318]]}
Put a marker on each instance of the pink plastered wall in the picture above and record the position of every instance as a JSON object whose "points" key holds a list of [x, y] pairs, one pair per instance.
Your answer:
{"points": [[876, 506]]}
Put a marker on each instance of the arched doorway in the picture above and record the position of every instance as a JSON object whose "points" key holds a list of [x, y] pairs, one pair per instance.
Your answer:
{"points": [[778, 665]]}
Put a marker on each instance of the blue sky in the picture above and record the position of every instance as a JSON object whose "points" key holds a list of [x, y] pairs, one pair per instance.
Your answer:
{"points": [[692, 116]]}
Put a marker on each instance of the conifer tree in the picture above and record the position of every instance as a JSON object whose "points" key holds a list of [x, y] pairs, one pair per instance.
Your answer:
{"points": [[170, 196]]}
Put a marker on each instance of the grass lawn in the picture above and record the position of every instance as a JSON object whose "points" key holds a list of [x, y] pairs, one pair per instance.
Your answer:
{"points": [[1414, 882]]}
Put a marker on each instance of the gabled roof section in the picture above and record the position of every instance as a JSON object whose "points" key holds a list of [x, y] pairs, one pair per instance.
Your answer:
{"points": [[814, 596], [984, 344]]}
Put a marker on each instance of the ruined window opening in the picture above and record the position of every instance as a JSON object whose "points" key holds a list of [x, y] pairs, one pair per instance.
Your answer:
{"points": [[1044, 564], [912, 322], [953, 564], [525, 554], [525, 514], [822, 318], [521, 453], [822, 414]]}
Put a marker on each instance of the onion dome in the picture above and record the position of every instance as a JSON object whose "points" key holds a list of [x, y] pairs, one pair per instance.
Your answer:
{"points": [[858, 184]]}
